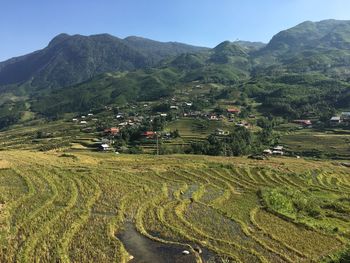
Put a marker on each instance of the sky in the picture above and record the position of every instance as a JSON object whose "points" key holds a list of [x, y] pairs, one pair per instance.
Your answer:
{"points": [[26, 26]]}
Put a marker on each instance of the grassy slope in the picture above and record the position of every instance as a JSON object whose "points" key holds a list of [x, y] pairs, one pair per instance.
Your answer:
{"points": [[53, 201]]}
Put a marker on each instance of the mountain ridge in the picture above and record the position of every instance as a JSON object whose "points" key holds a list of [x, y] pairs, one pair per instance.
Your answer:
{"points": [[70, 59]]}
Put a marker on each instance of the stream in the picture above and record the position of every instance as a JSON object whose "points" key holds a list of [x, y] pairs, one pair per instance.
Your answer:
{"points": [[145, 250]]}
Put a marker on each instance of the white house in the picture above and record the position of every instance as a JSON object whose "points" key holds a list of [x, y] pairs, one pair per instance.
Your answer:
{"points": [[335, 120], [278, 148], [105, 147], [267, 151]]}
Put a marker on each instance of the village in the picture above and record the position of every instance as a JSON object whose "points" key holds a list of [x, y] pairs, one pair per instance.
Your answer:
{"points": [[144, 126]]}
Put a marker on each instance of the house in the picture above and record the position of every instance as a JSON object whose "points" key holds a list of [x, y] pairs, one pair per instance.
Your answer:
{"points": [[213, 118], [335, 120], [267, 151], [105, 147], [188, 104], [83, 116], [221, 132], [83, 122], [242, 124], [345, 116], [163, 115], [233, 111], [174, 107], [74, 120], [123, 124], [195, 113], [277, 152], [305, 123], [278, 148], [90, 114], [148, 134], [112, 131]]}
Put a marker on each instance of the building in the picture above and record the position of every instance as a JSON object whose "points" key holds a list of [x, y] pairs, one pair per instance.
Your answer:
{"points": [[335, 120], [105, 147], [345, 116], [213, 118], [221, 132], [305, 123], [277, 152], [233, 111], [267, 151], [242, 124], [112, 131], [278, 148], [148, 134], [123, 124]]}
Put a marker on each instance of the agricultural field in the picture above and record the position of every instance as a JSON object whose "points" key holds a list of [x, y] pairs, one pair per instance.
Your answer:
{"points": [[334, 143], [101, 207]]}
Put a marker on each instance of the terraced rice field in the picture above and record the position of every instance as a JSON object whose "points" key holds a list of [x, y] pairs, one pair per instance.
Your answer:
{"points": [[86, 207]]}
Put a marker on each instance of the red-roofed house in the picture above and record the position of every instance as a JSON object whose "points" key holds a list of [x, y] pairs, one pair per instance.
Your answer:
{"points": [[233, 110], [303, 122], [148, 134], [112, 131]]}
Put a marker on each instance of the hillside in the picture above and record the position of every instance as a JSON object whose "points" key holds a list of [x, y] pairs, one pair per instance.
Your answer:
{"points": [[310, 46], [69, 60], [226, 64]]}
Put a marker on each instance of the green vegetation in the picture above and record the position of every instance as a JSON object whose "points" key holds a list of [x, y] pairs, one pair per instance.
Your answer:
{"points": [[316, 207]]}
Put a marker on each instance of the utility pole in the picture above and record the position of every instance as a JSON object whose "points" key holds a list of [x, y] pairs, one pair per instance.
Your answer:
{"points": [[157, 143]]}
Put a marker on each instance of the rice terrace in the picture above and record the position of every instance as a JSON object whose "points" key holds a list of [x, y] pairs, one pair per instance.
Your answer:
{"points": [[175, 131], [85, 207]]}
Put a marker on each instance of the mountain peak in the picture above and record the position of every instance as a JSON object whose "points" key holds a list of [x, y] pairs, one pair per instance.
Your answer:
{"points": [[229, 48], [59, 39]]}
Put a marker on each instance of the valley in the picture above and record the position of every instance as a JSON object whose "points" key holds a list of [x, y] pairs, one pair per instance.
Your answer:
{"points": [[135, 150]]}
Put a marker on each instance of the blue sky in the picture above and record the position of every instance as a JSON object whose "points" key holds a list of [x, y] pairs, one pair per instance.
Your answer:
{"points": [[26, 26]]}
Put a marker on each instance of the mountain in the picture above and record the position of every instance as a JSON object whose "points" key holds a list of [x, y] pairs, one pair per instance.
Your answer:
{"points": [[249, 46], [308, 47], [69, 60], [157, 51], [326, 35], [302, 71]]}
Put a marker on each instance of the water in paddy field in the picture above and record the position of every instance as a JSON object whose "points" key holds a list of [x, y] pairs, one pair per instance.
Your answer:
{"points": [[145, 250]]}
